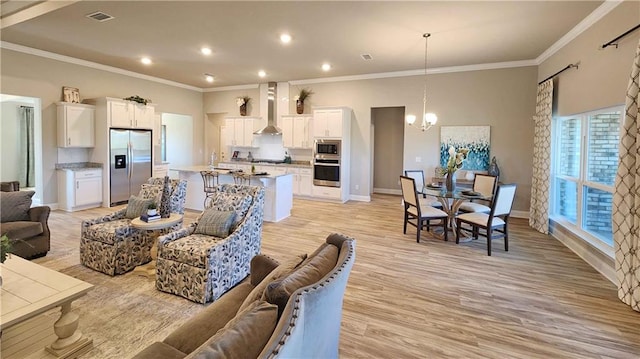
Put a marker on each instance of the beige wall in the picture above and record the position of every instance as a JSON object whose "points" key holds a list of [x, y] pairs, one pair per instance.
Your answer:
{"points": [[602, 78], [503, 99], [34, 76], [388, 147]]}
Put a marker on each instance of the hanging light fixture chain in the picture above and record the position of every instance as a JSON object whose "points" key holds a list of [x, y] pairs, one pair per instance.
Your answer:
{"points": [[424, 100]]}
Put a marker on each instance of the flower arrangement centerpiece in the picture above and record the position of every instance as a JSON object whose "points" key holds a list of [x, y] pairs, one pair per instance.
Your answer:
{"points": [[138, 99], [242, 102], [303, 95], [455, 162]]}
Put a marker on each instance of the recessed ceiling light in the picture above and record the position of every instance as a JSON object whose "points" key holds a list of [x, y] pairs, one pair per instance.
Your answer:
{"points": [[146, 60], [205, 51], [261, 73], [208, 77], [285, 38], [326, 67]]}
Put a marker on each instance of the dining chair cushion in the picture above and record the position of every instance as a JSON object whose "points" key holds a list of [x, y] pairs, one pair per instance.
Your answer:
{"points": [[215, 223], [474, 207], [427, 212], [480, 219], [137, 206]]}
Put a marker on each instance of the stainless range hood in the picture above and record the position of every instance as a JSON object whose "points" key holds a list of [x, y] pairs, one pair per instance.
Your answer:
{"points": [[272, 100]]}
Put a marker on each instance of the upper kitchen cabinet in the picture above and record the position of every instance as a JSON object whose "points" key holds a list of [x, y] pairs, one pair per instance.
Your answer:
{"points": [[127, 114], [296, 131], [331, 122], [76, 125], [239, 131]]}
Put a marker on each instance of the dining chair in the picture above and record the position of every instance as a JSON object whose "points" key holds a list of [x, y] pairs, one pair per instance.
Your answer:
{"points": [[422, 214], [211, 182], [418, 177], [485, 185], [494, 223]]}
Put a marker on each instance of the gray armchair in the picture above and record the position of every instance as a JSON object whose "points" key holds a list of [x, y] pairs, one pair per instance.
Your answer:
{"points": [[27, 226]]}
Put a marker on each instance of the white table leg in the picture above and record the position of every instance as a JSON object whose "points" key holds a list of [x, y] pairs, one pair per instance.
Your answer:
{"points": [[70, 342]]}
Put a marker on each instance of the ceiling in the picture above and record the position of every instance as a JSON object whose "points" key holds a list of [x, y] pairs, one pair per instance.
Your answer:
{"points": [[244, 36]]}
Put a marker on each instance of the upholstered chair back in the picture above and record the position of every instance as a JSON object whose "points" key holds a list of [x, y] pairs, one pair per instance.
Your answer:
{"points": [[178, 192]]}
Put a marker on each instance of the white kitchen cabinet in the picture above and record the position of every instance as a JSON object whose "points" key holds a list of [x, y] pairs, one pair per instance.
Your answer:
{"points": [[331, 122], [76, 125], [161, 170], [79, 189], [296, 131], [129, 114], [239, 131], [302, 181]]}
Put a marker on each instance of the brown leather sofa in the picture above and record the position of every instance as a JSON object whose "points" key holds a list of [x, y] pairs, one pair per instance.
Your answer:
{"points": [[291, 309], [26, 226]]}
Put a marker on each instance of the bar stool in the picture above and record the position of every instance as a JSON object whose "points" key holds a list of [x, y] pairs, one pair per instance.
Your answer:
{"points": [[211, 181], [241, 178]]}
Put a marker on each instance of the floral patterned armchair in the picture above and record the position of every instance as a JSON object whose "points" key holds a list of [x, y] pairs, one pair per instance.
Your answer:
{"points": [[201, 267], [110, 245]]}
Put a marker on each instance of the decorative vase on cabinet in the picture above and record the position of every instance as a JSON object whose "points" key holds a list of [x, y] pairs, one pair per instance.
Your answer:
{"points": [[299, 107], [243, 110]]}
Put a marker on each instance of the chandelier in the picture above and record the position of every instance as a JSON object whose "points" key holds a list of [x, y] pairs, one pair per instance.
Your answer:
{"points": [[428, 118]]}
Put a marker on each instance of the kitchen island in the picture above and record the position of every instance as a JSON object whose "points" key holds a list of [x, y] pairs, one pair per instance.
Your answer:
{"points": [[278, 196]]}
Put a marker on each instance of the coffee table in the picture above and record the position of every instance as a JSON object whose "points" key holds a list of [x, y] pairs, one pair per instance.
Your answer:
{"points": [[149, 269], [29, 289]]}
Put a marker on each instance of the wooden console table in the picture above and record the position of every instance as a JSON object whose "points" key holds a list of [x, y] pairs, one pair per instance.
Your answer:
{"points": [[29, 289]]}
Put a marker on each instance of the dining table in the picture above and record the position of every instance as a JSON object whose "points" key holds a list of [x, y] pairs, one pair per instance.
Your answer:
{"points": [[451, 202]]}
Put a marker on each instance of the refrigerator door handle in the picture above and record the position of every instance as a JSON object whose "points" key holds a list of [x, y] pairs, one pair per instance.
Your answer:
{"points": [[130, 155]]}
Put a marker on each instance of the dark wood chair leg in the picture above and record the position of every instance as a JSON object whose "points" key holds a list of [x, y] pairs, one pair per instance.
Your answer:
{"points": [[446, 230], [406, 219], [418, 229], [489, 241], [458, 224], [506, 238]]}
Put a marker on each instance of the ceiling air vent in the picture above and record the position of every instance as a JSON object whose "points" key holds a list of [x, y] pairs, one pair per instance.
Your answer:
{"points": [[366, 57], [100, 16]]}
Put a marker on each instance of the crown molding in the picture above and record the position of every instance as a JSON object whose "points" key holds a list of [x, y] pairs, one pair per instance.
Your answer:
{"points": [[583, 25], [94, 65], [231, 88], [437, 70]]}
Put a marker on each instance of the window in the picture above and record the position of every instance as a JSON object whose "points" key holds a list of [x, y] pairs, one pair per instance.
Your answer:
{"points": [[585, 162]]}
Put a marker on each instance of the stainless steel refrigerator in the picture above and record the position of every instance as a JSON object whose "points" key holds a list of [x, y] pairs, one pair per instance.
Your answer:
{"points": [[130, 163]]}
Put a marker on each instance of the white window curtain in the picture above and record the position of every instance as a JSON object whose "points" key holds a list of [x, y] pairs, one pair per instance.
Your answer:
{"points": [[540, 183], [626, 198]]}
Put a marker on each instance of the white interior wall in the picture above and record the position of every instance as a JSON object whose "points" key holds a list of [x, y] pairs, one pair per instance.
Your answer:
{"points": [[179, 139]]}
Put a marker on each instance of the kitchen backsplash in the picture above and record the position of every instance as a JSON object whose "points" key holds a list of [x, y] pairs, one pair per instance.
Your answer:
{"points": [[73, 155], [270, 148]]}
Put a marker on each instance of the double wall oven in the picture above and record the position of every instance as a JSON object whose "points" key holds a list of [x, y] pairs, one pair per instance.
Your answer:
{"points": [[326, 162]]}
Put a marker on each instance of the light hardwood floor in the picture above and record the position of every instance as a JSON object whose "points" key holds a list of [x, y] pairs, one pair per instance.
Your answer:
{"points": [[432, 299]]}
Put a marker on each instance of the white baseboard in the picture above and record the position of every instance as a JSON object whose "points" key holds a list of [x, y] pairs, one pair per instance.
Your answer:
{"points": [[519, 214], [388, 191], [354, 197], [53, 206], [595, 258]]}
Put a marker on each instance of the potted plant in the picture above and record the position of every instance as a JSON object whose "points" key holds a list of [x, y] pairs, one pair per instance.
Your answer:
{"points": [[5, 248], [303, 95], [242, 102], [152, 209]]}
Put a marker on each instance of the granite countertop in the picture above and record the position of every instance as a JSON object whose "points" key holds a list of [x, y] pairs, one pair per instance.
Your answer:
{"points": [[302, 164], [78, 166], [222, 171]]}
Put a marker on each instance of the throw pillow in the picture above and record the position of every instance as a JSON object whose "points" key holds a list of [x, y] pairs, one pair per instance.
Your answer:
{"points": [[280, 271], [316, 268], [215, 223], [244, 336], [137, 206], [15, 206], [153, 191]]}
